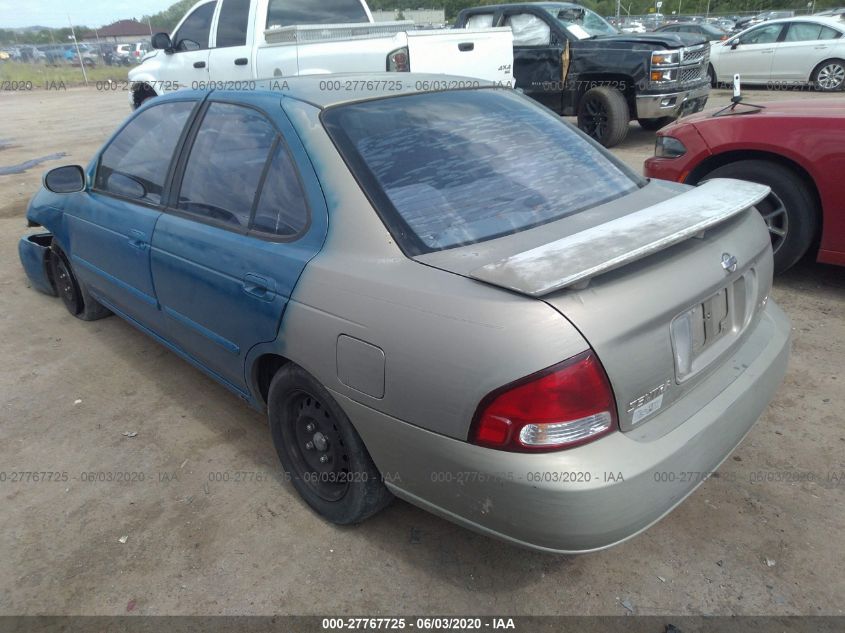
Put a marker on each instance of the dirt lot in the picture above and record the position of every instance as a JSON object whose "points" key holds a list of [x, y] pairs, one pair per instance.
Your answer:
{"points": [[70, 390]]}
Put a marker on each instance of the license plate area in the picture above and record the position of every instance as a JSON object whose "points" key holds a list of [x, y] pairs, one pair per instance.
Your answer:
{"points": [[707, 329]]}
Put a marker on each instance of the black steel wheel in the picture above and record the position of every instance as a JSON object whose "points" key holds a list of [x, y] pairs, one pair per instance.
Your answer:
{"points": [[322, 452], [66, 284], [73, 293]]}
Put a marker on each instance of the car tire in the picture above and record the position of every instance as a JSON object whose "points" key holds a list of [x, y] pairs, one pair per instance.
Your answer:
{"points": [[309, 426], [652, 125], [711, 75], [603, 115], [790, 211], [72, 292], [829, 76]]}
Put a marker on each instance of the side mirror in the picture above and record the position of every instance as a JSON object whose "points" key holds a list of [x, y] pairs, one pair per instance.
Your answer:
{"points": [[161, 41], [734, 45], [69, 179]]}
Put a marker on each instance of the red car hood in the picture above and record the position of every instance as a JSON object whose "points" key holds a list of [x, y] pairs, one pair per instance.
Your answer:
{"points": [[794, 108]]}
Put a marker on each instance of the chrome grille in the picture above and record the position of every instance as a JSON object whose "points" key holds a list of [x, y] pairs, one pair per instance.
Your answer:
{"points": [[691, 74], [695, 54]]}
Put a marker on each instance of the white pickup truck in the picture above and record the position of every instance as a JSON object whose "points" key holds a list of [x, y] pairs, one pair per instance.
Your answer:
{"points": [[229, 43]]}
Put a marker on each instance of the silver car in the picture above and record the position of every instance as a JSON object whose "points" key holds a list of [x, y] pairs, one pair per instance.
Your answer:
{"points": [[453, 297]]}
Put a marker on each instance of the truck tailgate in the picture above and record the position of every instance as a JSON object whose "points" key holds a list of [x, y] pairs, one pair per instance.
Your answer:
{"points": [[480, 53]]}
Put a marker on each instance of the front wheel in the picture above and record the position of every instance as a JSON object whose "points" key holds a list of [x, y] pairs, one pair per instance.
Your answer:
{"points": [[73, 293], [321, 451], [603, 114], [790, 211], [829, 76]]}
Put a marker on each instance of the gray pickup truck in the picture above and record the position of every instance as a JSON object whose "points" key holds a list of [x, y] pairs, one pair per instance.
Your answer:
{"points": [[571, 60]]}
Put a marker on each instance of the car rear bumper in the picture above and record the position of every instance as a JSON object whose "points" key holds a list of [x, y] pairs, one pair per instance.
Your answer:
{"points": [[672, 104], [593, 496]]}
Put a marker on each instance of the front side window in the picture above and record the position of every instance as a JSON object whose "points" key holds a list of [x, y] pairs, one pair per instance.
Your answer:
{"points": [[529, 30], [135, 164], [762, 35], [226, 163], [289, 12], [582, 23], [479, 21], [453, 168], [232, 23], [194, 32]]}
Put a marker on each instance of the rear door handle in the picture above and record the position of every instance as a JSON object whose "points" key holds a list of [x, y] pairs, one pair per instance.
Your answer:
{"points": [[199, 64], [259, 287], [465, 47], [138, 240], [241, 61]]}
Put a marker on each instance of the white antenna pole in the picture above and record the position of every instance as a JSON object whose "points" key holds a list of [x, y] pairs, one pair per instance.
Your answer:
{"points": [[78, 52]]}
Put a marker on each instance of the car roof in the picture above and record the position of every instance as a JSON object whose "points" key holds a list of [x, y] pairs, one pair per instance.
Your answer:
{"points": [[326, 91], [514, 5], [819, 19]]}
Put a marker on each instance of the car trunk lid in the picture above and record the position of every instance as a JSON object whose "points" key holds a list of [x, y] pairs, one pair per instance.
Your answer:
{"points": [[662, 283]]}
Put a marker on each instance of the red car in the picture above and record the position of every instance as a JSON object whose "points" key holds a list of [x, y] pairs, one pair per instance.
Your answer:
{"points": [[797, 148]]}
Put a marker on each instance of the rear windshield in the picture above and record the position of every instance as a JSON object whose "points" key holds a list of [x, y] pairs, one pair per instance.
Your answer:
{"points": [[290, 12], [448, 169]]}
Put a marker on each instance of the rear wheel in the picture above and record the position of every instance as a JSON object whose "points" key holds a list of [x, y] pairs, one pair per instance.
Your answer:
{"points": [[790, 211], [73, 294], [321, 451], [711, 75], [652, 125], [829, 76], [603, 114]]}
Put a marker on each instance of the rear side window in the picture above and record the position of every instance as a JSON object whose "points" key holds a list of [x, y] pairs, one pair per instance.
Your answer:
{"points": [[232, 23], [194, 32], [289, 12], [135, 164], [453, 168], [281, 208], [226, 164]]}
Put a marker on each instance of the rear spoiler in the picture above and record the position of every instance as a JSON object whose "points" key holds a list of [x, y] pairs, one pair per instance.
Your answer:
{"points": [[574, 260]]}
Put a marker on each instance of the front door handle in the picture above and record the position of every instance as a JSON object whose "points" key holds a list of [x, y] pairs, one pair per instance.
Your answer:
{"points": [[241, 61], [259, 287], [199, 64], [138, 240], [465, 47]]}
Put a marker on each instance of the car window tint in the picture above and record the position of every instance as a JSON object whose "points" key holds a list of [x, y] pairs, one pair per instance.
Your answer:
{"points": [[281, 208], [232, 23], [461, 167], [225, 165], [528, 30], [287, 12], [803, 32], [828, 33], [141, 152], [194, 32], [762, 35]]}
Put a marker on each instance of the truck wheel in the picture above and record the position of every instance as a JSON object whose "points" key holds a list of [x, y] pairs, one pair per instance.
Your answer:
{"points": [[74, 295], [652, 125], [603, 115], [790, 211], [321, 451], [829, 76]]}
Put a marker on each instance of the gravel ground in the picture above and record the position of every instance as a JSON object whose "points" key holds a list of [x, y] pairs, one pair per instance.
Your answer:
{"points": [[69, 391]]}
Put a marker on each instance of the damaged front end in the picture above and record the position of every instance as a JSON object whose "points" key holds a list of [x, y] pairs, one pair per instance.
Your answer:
{"points": [[35, 252]]}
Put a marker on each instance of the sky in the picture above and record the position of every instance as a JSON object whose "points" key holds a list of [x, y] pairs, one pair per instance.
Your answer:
{"points": [[54, 13]]}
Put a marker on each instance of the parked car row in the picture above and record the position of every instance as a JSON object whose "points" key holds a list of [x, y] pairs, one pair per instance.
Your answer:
{"points": [[91, 53]]}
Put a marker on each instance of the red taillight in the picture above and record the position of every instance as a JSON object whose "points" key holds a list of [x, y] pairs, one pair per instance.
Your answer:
{"points": [[399, 61], [560, 407]]}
